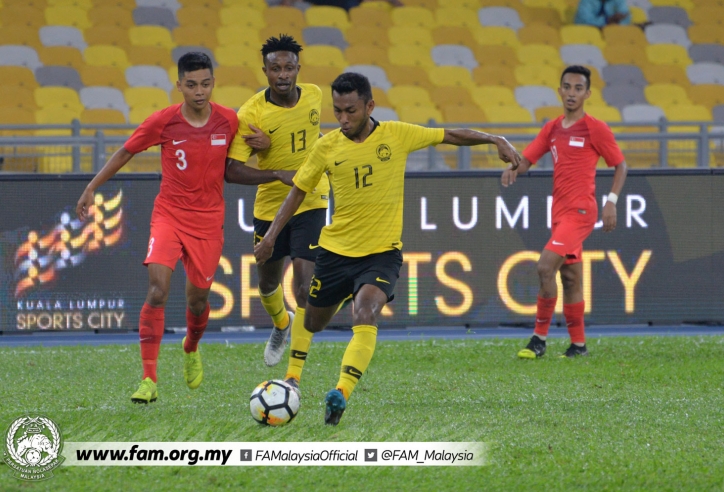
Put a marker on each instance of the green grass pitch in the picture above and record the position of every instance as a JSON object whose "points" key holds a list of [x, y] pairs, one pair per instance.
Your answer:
{"points": [[639, 414]]}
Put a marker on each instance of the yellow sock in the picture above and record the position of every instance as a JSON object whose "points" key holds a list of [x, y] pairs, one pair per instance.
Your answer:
{"points": [[274, 305], [357, 357], [299, 346]]}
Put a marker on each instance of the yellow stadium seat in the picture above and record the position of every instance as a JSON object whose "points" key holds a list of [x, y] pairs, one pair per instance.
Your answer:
{"points": [[138, 114], [209, 4], [608, 114], [496, 36], [457, 17], [563, 8], [198, 16], [102, 117], [707, 14], [67, 16], [108, 35], [285, 16], [57, 115], [22, 15], [106, 56], [228, 75], [454, 35], [541, 16], [419, 114], [451, 96], [151, 36], [625, 54], [242, 18], [195, 35], [578, 34], [327, 16], [359, 16], [176, 97], [149, 55], [494, 75], [146, 97], [276, 31], [538, 75], [668, 54], [231, 96], [706, 33], [413, 17], [540, 54], [64, 97], [684, 4], [36, 4], [683, 112], [596, 98], [463, 114], [666, 95], [540, 34], [236, 57], [103, 76], [548, 113], [616, 35], [367, 55], [498, 56], [410, 56], [425, 4], [492, 95], [81, 4], [18, 76], [324, 75], [231, 36], [451, 76], [20, 35], [21, 98], [708, 95], [408, 95], [249, 4], [17, 116], [666, 74], [323, 56], [416, 76], [410, 36], [368, 36], [380, 98], [111, 16], [473, 5], [61, 55], [507, 114]]}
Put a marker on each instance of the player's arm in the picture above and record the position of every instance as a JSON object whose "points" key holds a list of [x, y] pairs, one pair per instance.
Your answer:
{"points": [[239, 173], [609, 210], [465, 137], [265, 248], [510, 174], [119, 159]]}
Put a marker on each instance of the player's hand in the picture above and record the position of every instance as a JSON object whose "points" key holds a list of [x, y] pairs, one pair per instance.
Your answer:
{"points": [[263, 251], [508, 177], [258, 140], [609, 217], [84, 204], [286, 177], [507, 153]]}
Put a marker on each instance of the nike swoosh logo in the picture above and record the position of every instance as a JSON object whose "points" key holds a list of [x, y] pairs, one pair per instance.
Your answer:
{"points": [[557, 243], [272, 131], [340, 162], [382, 280], [313, 246], [209, 278], [176, 142]]}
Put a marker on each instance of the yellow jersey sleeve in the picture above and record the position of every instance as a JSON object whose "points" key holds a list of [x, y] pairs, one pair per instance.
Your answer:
{"points": [[314, 168], [416, 137], [247, 114]]}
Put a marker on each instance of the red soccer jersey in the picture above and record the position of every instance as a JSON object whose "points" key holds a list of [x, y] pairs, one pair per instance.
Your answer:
{"points": [[575, 153], [193, 161]]}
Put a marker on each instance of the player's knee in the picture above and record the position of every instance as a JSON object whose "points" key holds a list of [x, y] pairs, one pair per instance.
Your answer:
{"points": [[364, 315], [570, 281], [157, 295], [267, 286], [300, 295], [546, 272], [313, 325]]}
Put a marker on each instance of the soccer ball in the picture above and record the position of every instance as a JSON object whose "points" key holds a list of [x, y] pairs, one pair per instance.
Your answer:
{"points": [[274, 403]]}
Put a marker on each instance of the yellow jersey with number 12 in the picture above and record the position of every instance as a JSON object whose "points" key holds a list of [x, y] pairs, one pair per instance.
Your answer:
{"points": [[368, 180], [293, 132]]}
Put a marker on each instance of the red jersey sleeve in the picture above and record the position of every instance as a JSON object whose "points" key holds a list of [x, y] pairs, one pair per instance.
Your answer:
{"points": [[148, 133], [540, 145], [604, 142]]}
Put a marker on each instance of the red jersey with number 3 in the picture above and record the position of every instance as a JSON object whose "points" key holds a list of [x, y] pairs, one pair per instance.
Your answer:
{"points": [[575, 152], [193, 161]]}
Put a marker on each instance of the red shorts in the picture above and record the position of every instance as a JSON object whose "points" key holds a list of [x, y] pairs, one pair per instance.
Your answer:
{"points": [[567, 236], [199, 256]]}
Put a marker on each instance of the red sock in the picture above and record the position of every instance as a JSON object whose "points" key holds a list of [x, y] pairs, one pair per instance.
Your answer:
{"points": [[543, 315], [195, 327], [574, 321], [150, 332]]}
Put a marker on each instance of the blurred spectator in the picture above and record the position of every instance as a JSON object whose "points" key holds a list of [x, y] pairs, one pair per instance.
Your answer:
{"points": [[600, 13]]}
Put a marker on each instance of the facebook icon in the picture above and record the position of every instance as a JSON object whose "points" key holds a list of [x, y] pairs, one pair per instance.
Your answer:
{"points": [[246, 455]]}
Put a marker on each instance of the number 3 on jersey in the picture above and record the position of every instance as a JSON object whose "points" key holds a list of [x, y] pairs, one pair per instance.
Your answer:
{"points": [[181, 164]]}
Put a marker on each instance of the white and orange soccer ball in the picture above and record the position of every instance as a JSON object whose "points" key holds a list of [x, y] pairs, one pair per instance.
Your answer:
{"points": [[274, 402]]}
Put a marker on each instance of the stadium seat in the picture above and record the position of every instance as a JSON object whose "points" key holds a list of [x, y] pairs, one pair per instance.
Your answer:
{"points": [[22, 15], [106, 56], [669, 15], [451, 76], [151, 36], [20, 36], [104, 98], [539, 54], [367, 55], [103, 76], [547, 113], [491, 95], [687, 113], [102, 117], [507, 114], [172, 5], [707, 53], [538, 75], [625, 54], [285, 16], [56, 115], [541, 16], [242, 18], [368, 35], [414, 17], [409, 95], [494, 75], [20, 56], [708, 95], [706, 14], [560, 5], [180, 51], [239, 38], [324, 35], [18, 76], [454, 35], [496, 55], [604, 113], [666, 74], [23, 98], [376, 75], [360, 16], [667, 34], [684, 4], [463, 114], [596, 97], [137, 97], [718, 113], [108, 35], [410, 36], [111, 16], [327, 16], [706, 34], [51, 75], [149, 55], [583, 54], [578, 34], [155, 16], [499, 16], [276, 31], [457, 17], [251, 4], [496, 36], [235, 57], [198, 17], [416, 76], [67, 16], [17, 116], [624, 95], [454, 55], [621, 75], [628, 35], [148, 76], [323, 56], [666, 95], [448, 96], [410, 56], [706, 73], [138, 114], [323, 75], [642, 113], [665, 54], [420, 115], [227, 75], [532, 97], [540, 34], [380, 97], [62, 36], [230, 96], [64, 97], [63, 56], [199, 36], [384, 114]]}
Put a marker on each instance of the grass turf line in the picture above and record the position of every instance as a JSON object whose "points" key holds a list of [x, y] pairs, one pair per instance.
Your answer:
{"points": [[640, 413]]}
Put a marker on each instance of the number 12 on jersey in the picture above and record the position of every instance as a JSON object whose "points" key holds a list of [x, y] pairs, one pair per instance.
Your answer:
{"points": [[366, 167]]}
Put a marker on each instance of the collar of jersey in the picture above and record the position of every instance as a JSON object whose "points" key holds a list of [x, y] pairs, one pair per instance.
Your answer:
{"points": [[267, 96]]}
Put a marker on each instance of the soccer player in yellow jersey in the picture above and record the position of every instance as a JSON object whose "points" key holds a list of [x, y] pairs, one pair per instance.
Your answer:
{"points": [[288, 114], [360, 250]]}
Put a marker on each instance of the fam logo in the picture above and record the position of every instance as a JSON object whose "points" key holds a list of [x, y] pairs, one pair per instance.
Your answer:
{"points": [[314, 117], [33, 446], [383, 152]]}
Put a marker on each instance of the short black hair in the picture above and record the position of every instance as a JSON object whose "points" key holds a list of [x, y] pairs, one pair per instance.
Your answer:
{"points": [[192, 61], [283, 43], [579, 70], [350, 82]]}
